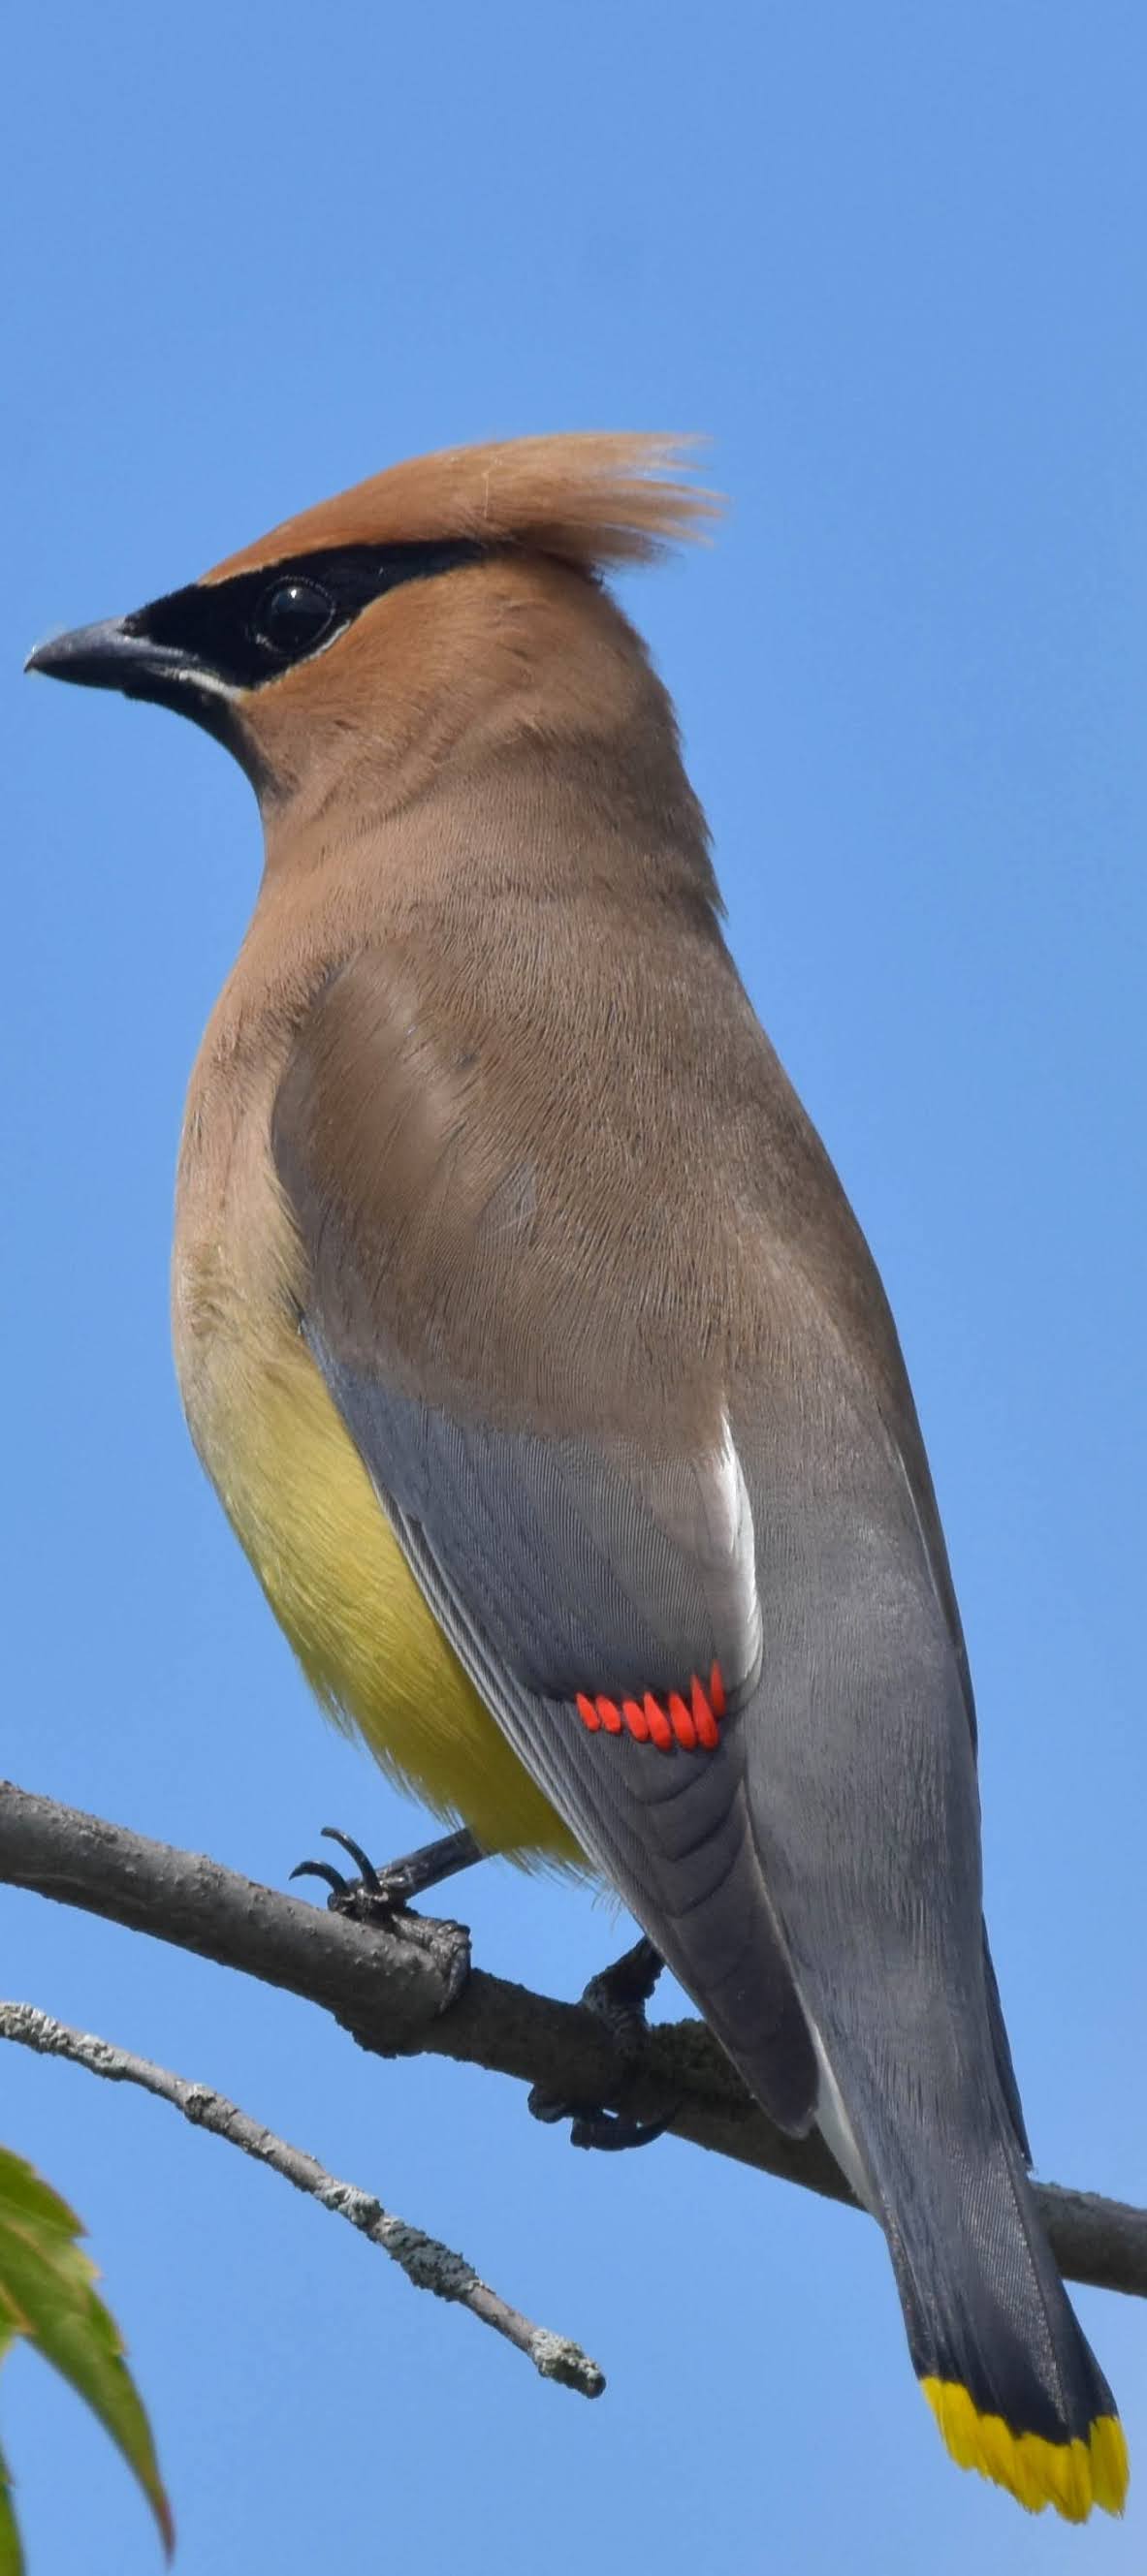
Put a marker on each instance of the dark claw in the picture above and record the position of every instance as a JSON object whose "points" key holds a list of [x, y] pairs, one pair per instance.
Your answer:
{"points": [[366, 1869], [592, 2125], [367, 1897], [612, 2131], [337, 1884]]}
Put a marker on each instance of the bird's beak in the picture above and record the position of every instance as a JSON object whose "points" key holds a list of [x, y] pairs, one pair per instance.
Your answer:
{"points": [[113, 656]]}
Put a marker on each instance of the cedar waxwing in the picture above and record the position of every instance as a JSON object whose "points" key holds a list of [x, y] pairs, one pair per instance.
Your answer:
{"points": [[543, 1371]]}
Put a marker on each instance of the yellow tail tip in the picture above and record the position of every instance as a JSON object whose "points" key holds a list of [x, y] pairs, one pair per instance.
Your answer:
{"points": [[1072, 2476]]}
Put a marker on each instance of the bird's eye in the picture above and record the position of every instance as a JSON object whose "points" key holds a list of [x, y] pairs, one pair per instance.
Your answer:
{"points": [[293, 616]]}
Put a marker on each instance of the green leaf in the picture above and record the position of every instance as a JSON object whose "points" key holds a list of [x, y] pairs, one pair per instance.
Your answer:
{"points": [[11, 2554], [24, 2196], [46, 2295]]}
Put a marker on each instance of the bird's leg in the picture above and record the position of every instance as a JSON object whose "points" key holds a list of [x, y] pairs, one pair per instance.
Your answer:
{"points": [[382, 1896], [376, 1894], [618, 1995]]}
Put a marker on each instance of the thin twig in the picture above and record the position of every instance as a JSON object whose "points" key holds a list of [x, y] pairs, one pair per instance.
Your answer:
{"points": [[394, 1995], [430, 2265]]}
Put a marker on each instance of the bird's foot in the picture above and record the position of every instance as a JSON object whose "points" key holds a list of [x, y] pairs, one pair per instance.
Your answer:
{"points": [[618, 1995], [376, 1894], [381, 1897]]}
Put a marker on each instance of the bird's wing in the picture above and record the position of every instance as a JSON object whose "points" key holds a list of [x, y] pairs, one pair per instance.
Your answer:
{"points": [[593, 1569]]}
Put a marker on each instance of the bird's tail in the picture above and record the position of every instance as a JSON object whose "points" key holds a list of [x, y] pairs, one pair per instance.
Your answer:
{"points": [[998, 2350]]}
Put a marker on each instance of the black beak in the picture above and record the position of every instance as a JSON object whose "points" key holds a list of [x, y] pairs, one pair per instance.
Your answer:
{"points": [[120, 654], [111, 656]]}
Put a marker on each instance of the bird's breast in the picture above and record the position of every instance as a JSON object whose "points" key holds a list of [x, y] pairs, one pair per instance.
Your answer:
{"points": [[298, 1496]]}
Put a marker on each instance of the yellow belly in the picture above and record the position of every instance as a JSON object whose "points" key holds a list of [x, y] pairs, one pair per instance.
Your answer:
{"points": [[300, 1501]]}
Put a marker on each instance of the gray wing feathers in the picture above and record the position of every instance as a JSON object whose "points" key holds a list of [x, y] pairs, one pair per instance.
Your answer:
{"points": [[791, 1862], [587, 1571], [673, 1835], [549, 1576], [1009, 2086]]}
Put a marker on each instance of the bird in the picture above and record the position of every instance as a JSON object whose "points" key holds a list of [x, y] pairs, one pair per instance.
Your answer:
{"points": [[542, 1368]]}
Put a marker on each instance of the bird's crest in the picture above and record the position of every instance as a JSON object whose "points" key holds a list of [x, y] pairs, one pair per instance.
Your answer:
{"points": [[591, 497]]}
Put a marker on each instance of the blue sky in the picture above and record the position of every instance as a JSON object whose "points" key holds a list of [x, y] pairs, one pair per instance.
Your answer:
{"points": [[892, 259]]}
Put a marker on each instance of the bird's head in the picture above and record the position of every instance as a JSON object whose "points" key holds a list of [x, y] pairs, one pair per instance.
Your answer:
{"points": [[452, 597]]}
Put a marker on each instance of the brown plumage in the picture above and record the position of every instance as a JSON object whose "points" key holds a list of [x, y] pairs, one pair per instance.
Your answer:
{"points": [[594, 497], [543, 1369]]}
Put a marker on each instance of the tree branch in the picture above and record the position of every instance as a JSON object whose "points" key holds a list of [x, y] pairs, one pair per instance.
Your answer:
{"points": [[426, 2262], [392, 1990]]}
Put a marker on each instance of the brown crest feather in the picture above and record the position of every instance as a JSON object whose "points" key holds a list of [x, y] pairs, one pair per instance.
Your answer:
{"points": [[590, 497]]}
